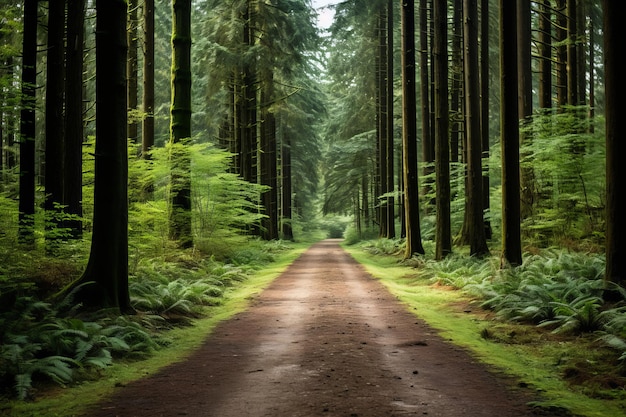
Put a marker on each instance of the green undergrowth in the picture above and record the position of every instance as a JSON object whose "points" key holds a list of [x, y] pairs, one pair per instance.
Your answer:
{"points": [[570, 374], [177, 343]]}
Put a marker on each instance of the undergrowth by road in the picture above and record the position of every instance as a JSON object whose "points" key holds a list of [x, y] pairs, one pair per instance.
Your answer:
{"points": [[575, 367]]}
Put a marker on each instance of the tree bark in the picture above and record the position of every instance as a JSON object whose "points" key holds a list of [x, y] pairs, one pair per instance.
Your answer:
{"points": [[27, 125], [133, 69], [476, 226], [561, 53], [268, 160], [443, 234], [509, 122], [545, 55], [74, 135], [428, 147], [287, 219], [409, 132], [525, 100], [391, 225], [147, 130], [615, 87], [147, 124], [180, 125], [383, 127], [55, 100], [104, 284], [484, 107]]}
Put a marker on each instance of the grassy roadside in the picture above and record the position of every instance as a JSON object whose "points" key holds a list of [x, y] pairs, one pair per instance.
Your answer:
{"points": [[72, 401], [533, 359]]}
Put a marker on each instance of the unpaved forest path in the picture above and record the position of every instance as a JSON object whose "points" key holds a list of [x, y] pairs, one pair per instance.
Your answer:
{"points": [[325, 339]]}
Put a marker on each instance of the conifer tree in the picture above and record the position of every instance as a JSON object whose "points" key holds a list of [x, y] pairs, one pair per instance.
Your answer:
{"points": [[104, 284], [409, 132], [180, 125]]}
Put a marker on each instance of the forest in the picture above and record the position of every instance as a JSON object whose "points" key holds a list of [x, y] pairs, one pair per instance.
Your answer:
{"points": [[157, 153]]}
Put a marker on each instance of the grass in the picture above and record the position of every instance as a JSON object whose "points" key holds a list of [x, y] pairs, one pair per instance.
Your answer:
{"points": [[537, 358], [75, 399]]}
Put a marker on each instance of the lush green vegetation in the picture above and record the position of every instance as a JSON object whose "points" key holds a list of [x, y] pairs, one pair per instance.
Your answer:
{"points": [[544, 322], [175, 338], [47, 338], [552, 310]]}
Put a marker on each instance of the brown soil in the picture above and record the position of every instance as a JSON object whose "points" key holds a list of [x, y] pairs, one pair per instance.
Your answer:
{"points": [[325, 339]]}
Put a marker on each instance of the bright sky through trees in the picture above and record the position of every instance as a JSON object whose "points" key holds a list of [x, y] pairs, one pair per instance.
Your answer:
{"points": [[325, 13]]}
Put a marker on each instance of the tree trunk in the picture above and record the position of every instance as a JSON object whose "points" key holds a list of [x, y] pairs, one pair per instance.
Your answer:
{"points": [[55, 99], [381, 115], [572, 54], [27, 125], [287, 189], [615, 87], [428, 147], [104, 283], [484, 106], [525, 100], [180, 124], [133, 69], [545, 55], [73, 153], [268, 161], [456, 109], [561, 53], [443, 235], [511, 234], [391, 226], [147, 129], [249, 104], [476, 227], [409, 132]]}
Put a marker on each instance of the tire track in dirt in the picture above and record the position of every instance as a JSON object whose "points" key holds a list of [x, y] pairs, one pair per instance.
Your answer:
{"points": [[324, 339]]}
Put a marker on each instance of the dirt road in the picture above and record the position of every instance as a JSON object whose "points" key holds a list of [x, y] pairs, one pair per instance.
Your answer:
{"points": [[325, 339]]}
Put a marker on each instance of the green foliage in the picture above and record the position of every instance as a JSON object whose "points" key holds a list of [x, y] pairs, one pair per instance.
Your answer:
{"points": [[37, 341], [564, 162]]}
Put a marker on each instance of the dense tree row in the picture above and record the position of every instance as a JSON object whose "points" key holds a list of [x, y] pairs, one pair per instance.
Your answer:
{"points": [[245, 75], [510, 84], [248, 81]]}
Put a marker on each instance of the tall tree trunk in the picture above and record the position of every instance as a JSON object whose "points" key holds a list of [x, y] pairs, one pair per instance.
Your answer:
{"points": [[428, 147], [484, 106], [287, 228], [572, 54], [55, 100], [147, 129], [104, 284], [382, 128], [180, 125], [391, 226], [525, 100], [268, 160], [409, 132], [73, 153], [443, 234], [615, 87], [561, 53], [545, 55], [456, 86], [509, 122], [133, 69], [249, 104], [476, 229], [592, 76], [27, 125]]}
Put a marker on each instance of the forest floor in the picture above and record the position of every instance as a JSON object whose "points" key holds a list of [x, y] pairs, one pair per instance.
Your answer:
{"points": [[324, 339]]}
